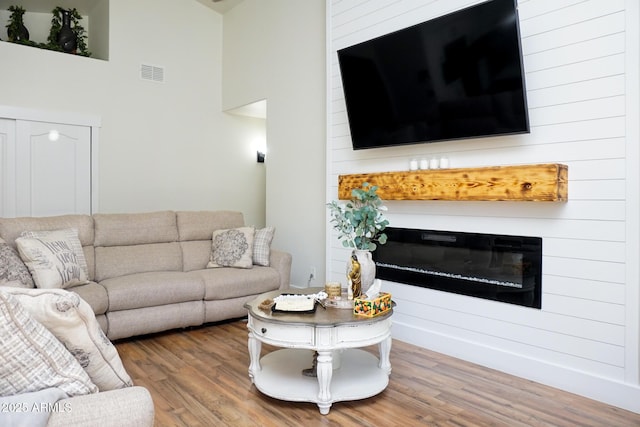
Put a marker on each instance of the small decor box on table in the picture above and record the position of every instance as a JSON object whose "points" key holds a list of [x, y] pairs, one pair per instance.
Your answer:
{"points": [[371, 308]]}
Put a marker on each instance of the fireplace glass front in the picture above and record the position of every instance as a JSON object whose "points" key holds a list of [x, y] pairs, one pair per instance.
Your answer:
{"points": [[496, 267]]}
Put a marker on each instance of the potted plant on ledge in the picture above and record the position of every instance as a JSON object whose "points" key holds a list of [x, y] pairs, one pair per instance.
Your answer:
{"points": [[16, 31], [66, 33], [360, 224]]}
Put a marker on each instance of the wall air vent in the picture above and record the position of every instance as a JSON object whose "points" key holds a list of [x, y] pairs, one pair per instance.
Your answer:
{"points": [[151, 72]]}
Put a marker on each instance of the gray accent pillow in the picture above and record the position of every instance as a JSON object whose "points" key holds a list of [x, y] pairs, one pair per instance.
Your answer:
{"points": [[13, 272]]}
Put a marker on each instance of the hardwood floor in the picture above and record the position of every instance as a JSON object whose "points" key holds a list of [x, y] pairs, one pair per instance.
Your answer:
{"points": [[199, 377]]}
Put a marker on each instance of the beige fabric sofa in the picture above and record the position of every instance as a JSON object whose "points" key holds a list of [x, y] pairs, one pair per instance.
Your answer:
{"points": [[130, 406], [148, 274], [148, 270]]}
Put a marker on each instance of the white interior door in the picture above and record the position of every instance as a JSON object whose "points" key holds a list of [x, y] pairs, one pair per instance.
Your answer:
{"points": [[7, 168], [53, 169]]}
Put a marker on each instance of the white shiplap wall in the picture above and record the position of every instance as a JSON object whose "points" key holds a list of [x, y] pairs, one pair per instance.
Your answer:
{"points": [[581, 70]]}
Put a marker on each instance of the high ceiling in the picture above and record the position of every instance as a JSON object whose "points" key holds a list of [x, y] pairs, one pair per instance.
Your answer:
{"points": [[256, 109], [221, 6]]}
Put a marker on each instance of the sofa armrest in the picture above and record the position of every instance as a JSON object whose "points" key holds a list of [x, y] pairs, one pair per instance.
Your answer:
{"points": [[131, 406], [281, 261]]}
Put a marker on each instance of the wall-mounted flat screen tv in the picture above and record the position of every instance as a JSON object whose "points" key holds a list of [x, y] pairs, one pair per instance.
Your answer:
{"points": [[456, 76]]}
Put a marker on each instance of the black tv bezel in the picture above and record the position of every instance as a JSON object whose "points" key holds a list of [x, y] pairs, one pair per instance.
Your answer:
{"points": [[526, 128]]}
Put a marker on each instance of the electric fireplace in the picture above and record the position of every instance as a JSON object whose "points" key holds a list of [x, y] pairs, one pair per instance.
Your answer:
{"points": [[497, 267]]}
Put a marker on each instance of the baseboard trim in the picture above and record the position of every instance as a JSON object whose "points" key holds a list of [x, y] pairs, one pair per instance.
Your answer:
{"points": [[622, 395]]}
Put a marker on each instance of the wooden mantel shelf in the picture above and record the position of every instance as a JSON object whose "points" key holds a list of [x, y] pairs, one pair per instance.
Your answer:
{"points": [[539, 183]]}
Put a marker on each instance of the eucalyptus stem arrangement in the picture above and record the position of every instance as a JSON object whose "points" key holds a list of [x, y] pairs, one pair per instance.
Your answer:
{"points": [[360, 222]]}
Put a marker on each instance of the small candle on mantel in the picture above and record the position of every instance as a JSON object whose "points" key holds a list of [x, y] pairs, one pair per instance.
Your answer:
{"points": [[444, 162], [413, 164], [424, 164], [434, 163]]}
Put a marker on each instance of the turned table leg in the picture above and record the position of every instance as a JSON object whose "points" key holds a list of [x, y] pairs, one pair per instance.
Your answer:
{"points": [[324, 368], [255, 346], [385, 348]]}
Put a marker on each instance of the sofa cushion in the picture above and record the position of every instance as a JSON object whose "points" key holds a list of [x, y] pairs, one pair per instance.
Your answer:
{"points": [[195, 254], [55, 259], [232, 248], [12, 228], [13, 272], [118, 261], [132, 406], [223, 283], [95, 295], [30, 412], [223, 309], [135, 229], [152, 289], [32, 359], [198, 225], [148, 320], [70, 319]]}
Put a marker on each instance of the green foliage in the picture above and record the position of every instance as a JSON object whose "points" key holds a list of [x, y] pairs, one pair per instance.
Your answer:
{"points": [[16, 11], [360, 222], [15, 23]]}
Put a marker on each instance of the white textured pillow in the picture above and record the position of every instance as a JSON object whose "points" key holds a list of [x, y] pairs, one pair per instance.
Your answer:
{"points": [[232, 248], [32, 359], [72, 321], [54, 258], [262, 246]]}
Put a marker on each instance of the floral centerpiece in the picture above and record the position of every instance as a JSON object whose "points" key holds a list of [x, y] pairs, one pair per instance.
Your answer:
{"points": [[360, 224]]}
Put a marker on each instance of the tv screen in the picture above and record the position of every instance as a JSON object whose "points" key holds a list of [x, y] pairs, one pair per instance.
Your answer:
{"points": [[453, 77]]}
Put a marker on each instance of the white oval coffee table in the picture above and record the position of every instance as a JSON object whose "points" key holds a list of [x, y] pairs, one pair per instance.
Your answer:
{"points": [[327, 331]]}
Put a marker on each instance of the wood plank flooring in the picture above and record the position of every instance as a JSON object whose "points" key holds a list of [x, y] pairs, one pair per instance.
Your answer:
{"points": [[199, 377]]}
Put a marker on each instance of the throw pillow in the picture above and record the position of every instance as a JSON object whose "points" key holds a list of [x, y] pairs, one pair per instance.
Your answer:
{"points": [[262, 246], [32, 359], [70, 319], [54, 258], [13, 272], [232, 248], [69, 234]]}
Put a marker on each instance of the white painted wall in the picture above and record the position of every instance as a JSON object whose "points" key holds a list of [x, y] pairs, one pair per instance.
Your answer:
{"points": [[581, 64], [162, 145], [275, 50]]}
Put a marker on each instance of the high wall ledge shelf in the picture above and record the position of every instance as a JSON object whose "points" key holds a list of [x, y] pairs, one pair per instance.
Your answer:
{"points": [[38, 16], [537, 183]]}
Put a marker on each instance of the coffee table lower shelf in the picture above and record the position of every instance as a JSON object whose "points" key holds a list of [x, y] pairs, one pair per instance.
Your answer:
{"points": [[358, 376]]}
